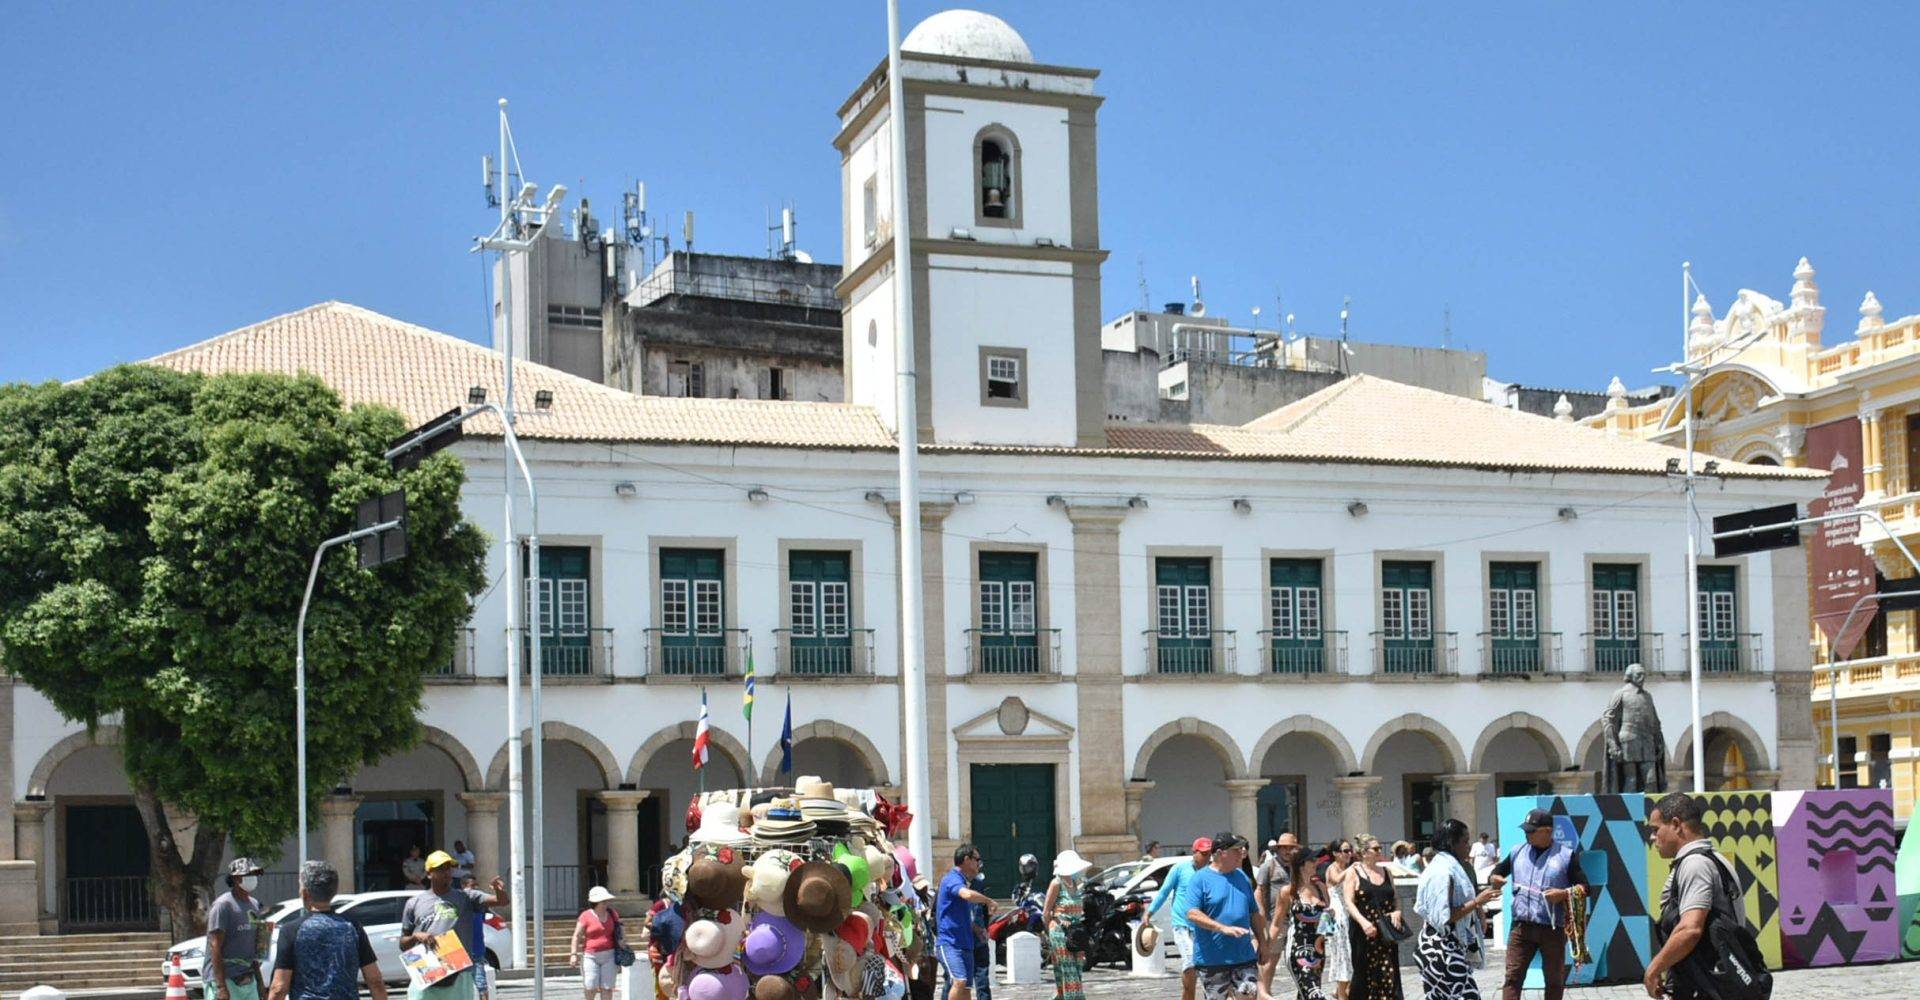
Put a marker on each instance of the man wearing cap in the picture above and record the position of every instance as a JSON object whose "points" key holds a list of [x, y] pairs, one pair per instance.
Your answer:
{"points": [[440, 908], [1227, 935], [1177, 889], [316, 957], [1543, 873], [233, 936]]}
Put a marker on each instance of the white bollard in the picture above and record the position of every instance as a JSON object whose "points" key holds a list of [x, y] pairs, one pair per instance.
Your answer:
{"points": [[1154, 964], [1023, 959], [44, 993]]}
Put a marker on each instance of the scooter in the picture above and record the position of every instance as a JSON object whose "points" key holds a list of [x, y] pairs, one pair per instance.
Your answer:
{"points": [[1109, 924]]}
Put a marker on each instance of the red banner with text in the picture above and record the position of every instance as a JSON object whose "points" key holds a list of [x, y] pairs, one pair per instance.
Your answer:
{"points": [[1840, 571]]}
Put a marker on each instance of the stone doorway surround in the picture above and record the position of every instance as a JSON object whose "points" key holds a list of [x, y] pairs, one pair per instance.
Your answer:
{"points": [[1013, 734]]}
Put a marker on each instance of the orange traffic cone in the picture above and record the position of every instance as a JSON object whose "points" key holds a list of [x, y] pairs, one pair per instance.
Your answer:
{"points": [[176, 981]]}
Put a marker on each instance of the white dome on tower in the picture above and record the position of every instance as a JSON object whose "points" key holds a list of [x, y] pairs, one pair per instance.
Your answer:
{"points": [[968, 34]]}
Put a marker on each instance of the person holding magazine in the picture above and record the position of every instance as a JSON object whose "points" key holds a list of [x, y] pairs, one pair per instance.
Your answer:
{"points": [[443, 909]]}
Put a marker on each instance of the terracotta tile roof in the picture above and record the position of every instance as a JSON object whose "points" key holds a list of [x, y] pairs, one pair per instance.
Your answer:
{"points": [[371, 358]]}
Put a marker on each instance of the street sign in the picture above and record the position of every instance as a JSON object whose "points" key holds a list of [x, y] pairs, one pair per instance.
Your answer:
{"points": [[382, 547], [1786, 535], [431, 436]]}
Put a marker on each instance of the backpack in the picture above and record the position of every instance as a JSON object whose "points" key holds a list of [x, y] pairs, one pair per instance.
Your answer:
{"points": [[1726, 964]]}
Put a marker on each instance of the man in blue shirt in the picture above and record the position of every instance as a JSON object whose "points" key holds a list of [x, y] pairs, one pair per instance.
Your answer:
{"points": [[323, 956], [1175, 890], [953, 920], [1227, 937]]}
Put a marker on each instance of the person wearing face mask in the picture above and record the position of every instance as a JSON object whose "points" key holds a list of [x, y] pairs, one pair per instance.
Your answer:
{"points": [[233, 936]]}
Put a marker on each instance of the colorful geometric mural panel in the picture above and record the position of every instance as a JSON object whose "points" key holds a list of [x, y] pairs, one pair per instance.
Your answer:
{"points": [[1741, 827], [1906, 883], [1609, 831], [1837, 893]]}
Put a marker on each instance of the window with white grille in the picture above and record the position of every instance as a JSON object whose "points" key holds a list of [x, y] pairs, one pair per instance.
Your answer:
{"points": [[835, 614], [1199, 611], [1170, 611], [1626, 614], [1419, 613], [1280, 606], [802, 616], [1526, 621], [1393, 614], [1307, 600], [1003, 377], [707, 615], [993, 607], [1500, 613], [1603, 614], [1020, 606], [673, 607]]}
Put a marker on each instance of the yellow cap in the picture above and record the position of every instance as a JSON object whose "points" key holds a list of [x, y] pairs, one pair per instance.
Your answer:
{"points": [[438, 858]]}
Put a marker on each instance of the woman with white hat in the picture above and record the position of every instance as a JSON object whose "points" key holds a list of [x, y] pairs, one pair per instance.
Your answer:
{"points": [[1064, 914], [595, 936]]}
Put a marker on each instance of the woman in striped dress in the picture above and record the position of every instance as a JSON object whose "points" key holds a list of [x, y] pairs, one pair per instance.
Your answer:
{"points": [[1063, 913]]}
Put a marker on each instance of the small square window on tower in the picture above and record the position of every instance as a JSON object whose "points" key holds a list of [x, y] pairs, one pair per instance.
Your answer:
{"points": [[1003, 376]]}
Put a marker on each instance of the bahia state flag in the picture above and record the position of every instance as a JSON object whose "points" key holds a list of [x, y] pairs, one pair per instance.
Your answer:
{"points": [[700, 735]]}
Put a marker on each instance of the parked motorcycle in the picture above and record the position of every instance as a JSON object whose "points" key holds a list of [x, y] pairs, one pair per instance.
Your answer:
{"points": [[1026, 914], [1108, 923]]}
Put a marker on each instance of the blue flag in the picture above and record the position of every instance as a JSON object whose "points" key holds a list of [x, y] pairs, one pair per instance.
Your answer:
{"points": [[786, 739]]}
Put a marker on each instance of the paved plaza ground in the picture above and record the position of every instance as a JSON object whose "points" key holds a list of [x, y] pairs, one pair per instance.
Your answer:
{"points": [[1867, 982]]}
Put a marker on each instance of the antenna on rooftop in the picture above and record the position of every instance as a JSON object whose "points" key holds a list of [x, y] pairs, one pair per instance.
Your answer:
{"points": [[786, 250], [1346, 351], [1199, 307], [686, 232], [1146, 303], [1446, 327]]}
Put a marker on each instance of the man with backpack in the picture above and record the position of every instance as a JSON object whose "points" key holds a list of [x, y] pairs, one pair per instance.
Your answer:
{"points": [[1708, 947]]}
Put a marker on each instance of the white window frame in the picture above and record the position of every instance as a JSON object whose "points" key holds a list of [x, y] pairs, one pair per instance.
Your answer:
{"points": [[709, 609], [836, 608], [993, 607], [1008, 374], [1419, 613], [803, 609], [1171, 616], [1199, 611], [1280, 608], [1022, 607], [675, 607]]}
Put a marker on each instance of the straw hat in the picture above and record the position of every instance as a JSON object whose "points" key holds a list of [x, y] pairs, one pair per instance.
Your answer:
{"points": [[715, 885], [710, 944], [774, 988], [880, 866], [843, 966], [720, 825], [783, 823], [818, 896], [767, 880], [1069, 862], [1146, 939]]}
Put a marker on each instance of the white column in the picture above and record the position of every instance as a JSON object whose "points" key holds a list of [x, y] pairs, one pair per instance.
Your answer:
{"points": [[623, 841], [483, 833], [1243, 812], [1356, 806], [1463, 796], [30, 844], [336, 836]]}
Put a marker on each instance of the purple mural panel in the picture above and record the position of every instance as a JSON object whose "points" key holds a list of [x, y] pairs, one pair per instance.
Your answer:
{"points": [[1837, 897]]}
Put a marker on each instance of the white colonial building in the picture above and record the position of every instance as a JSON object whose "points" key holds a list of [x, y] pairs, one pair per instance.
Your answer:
{"points": [[1365, 611]]}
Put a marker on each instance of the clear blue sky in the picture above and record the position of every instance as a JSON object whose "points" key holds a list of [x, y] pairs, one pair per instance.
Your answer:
{"points": [[174, 172]]}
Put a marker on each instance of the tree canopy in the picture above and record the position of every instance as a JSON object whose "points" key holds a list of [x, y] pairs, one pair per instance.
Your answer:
{"points": [[156, 529]]}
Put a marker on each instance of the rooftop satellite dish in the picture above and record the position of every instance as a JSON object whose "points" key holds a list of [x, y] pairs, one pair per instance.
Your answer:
{"points": [[1199, 308]]}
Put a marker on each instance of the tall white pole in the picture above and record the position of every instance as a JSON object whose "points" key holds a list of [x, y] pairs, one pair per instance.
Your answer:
{"points": [[1693, 548], [516, 802], [913, 662]]}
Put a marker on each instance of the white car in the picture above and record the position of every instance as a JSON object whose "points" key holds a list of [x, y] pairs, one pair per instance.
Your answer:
{"points": [[376, 912], [1145, 878]]}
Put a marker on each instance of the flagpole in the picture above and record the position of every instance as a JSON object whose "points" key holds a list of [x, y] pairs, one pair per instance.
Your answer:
{"points": [[748, 779]]}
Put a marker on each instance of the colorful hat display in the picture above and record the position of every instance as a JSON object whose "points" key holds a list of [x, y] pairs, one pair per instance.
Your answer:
{"points": [[729, 983], [774, 945], [720, 825], [715, 884], [818, 897], [783, 823], [880, 866], [767, 880], [856, 867], [711, 943], [843, 966]]}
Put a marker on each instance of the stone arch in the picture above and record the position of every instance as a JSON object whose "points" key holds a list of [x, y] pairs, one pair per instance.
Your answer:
{"points": [[99, 736], [1760, 383], [827, 729], [1540, 729], [1588, 740], [717, 739], [559, 732], [1307, 724], [457, 751], [1213, 735], [1751, 746], [1415, 722]]}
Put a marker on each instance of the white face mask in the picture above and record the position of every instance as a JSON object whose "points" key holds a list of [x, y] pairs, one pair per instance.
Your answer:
{"points": [[248, 882]]}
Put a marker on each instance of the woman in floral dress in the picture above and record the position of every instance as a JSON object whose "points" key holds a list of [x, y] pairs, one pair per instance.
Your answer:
{"points": [[1300, 905], [1063, 913]]}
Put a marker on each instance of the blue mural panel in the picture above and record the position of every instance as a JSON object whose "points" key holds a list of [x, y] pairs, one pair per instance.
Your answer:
{"points": [[1609, 833]]}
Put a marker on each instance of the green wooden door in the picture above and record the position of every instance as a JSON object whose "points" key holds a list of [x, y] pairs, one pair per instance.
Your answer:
{"points": [[1293, 599], [1616, 616], [1717, 622], [1184, 605], [1009, 587], [566, 616], [1406, 617], [1012, 815], [819, 612], [693, 611], [1513, 617]]}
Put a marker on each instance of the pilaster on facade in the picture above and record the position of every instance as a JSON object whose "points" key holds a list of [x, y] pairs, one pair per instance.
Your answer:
{"points": [[1463, 795], [1356, 801], [933, 618], [1108, 806], [623, 840], [30, 844], [336, 836]]}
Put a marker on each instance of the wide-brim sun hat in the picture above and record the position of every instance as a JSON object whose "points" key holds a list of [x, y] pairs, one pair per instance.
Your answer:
{"points": [[843, 966], [819, 895], [1069, 862], [774, 945], [767, 880], [599, 894], [775, 988], [729, 983], [720, 826], [714, 885], [1146, 940]]}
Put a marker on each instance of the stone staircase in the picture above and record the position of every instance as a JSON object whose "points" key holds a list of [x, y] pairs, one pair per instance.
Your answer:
{"points": [[83, 961]]}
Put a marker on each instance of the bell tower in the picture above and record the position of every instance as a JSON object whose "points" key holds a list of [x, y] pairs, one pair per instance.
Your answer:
{"points": [[1005, 239]]}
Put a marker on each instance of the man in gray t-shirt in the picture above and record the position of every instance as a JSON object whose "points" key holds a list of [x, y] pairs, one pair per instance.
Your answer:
{"points": [[442, 908], [1695, 888], [232, 970]]}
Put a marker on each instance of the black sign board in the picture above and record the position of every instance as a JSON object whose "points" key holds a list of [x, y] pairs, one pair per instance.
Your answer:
{"points": [[438, 433], [1786, 536], [382, 547], [1902, 594]]}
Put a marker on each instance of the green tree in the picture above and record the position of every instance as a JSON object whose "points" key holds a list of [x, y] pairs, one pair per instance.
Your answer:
{"points": [[156, 530]]}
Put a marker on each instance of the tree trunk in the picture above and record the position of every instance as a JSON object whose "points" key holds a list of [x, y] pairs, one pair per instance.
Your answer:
{"points": [[182, 886]]}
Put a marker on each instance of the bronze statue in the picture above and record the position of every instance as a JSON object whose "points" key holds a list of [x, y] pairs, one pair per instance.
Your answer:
{"points": [[1636, 749]]}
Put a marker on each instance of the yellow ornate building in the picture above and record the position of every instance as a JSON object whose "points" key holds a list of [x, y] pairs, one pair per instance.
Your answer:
{"points": [[1776, 392]]}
